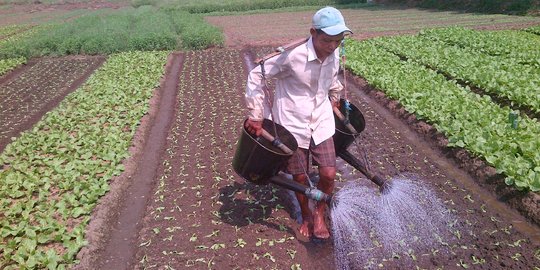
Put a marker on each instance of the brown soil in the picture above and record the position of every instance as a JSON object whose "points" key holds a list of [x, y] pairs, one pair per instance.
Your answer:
{"points": [[276, 29]]}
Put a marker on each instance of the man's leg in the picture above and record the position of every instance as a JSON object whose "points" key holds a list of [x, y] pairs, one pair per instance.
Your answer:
{"points": [[307, 217], [326, 185], [297, 165], [325, 157]]}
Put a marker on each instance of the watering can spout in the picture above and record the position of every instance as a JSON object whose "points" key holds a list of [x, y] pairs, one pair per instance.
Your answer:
{"points": [[312, 193], [317, 195], [384, 185]]}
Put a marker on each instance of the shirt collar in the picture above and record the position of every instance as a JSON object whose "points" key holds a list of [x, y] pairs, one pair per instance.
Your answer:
{"points": [[312, 55]]}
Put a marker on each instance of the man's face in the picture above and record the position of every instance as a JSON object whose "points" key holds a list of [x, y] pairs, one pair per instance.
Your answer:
{"points": [[325, 44]]}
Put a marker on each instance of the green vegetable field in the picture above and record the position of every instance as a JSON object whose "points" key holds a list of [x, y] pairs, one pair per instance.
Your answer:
{"points": [[422, 71]]}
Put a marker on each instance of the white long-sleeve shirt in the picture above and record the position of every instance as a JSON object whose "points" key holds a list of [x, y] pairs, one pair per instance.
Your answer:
{"points": [[303, 87]]}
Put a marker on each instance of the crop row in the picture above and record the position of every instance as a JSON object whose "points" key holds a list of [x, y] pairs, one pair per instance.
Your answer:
{"points": [[8, 64], [12, 34], [519, 46], [502, 77], [9, 30], [25, 97], [467, 119], [21, 33], [52, 176], [533, 29]]}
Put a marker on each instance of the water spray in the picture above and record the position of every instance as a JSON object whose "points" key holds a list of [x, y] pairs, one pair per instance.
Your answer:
{"points": [[405, 215]]}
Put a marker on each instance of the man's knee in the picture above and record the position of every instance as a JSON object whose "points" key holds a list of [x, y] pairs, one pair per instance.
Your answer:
{"points": [[328, 173], [300, 178]]}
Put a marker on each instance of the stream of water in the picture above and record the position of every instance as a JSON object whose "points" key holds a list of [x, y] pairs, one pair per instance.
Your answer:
{"points": [[410, 218]]}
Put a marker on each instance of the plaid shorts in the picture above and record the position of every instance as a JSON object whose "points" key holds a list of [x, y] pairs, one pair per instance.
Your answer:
{"points": [[323, 155]]}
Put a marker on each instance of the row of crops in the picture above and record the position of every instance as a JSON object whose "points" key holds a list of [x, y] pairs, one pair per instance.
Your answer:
{"points": [[10, 34], [52, 176], [507, 65], [432, 74]]}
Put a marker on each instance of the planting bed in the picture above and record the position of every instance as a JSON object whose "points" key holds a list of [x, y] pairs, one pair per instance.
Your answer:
{"points": [[32, 90], [38, 13]]}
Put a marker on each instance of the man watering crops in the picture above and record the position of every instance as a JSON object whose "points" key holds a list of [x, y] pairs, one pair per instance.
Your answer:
{"points": [[307, 87]]}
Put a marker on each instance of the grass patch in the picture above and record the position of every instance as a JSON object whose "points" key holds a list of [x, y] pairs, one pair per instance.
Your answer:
{"points": [[145, 28]]}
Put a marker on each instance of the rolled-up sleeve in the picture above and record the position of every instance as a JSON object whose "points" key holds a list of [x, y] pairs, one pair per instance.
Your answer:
{"points": [[335, 90]]}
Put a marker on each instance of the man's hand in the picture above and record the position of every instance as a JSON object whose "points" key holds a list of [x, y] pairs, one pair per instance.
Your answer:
{"points": [[254, 127], [335, 104]]}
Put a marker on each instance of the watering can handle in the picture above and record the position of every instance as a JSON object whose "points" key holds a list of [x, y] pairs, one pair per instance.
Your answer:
{"points": [[345, 121], [276, 142]]}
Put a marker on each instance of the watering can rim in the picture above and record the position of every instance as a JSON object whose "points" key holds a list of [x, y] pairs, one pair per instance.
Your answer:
{"points": [[257, 140]]}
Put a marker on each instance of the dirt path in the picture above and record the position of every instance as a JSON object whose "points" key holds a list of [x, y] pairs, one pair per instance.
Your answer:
{"points": [[112, 233]]}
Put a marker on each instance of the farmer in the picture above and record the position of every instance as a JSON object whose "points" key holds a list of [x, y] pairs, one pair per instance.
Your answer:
{"points": [[307, 87]]}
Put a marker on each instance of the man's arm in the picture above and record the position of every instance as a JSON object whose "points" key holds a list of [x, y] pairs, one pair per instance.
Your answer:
{"points": [[335, 92], [255, 95]]}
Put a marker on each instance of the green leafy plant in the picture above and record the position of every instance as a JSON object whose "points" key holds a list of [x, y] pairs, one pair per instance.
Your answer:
{"points": [[8, 64]]}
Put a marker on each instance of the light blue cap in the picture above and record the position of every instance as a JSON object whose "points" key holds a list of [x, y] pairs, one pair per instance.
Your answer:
{"points": [[330, 21]]}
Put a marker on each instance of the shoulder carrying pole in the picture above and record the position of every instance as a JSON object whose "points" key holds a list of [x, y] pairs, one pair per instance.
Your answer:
{"points": [[279, 50]]}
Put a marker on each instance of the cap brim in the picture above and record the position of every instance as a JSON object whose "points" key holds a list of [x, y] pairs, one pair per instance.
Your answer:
{"points": [[336, 29]]}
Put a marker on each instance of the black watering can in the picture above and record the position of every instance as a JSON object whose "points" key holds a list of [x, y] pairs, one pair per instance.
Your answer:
{"points": [[259, 159]]}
